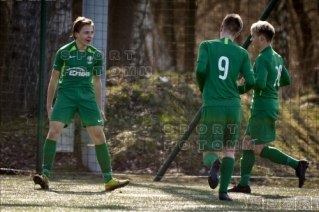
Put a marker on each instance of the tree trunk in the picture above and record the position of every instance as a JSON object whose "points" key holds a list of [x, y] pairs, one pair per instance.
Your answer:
{"points": [[163, 13], [21, 64], [19, 80], [147, 42], [189, 25], [280, 15], [4, 16], [307, 51], [120, 26], [185, 34]]}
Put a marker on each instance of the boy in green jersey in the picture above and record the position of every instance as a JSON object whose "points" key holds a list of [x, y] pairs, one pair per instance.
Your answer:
{"points": [[218, 66], [77, 70], [270, 73]]}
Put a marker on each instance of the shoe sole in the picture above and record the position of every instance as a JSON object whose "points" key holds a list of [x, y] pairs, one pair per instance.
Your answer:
{"points": [[213, 183], [302, 180], [213, 179], [244, 192], [225, 198], [38, 180], [120, 186]]}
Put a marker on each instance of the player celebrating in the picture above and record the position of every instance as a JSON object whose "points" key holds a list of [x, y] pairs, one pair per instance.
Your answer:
{"points": [[77, 70], [218, 65], [270, 73]]}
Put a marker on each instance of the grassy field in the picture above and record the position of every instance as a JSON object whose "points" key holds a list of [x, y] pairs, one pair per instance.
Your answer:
{"points": [[174, 193]]}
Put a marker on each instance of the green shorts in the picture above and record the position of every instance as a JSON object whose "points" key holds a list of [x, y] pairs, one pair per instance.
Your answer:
{"points": [[262, 126], [81, 100], [220, 126]]}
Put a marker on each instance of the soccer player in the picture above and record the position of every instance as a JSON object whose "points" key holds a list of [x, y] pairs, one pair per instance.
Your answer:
{"points": [[270, 73], [77, 71], [219, 64]]}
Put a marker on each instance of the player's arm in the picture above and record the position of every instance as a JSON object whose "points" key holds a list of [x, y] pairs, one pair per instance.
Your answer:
{"points": [[284, 78], [201, 66], [54, 80], [261, 74], [249, 79], [97, 83]]}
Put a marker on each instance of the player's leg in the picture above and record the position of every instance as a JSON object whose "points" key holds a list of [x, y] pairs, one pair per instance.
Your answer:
{"points": [[276, 156], [49, 152], [101, 151], [92, 120], [104, 158], [264, 133], [247, 162], [211, 160], [62, 113], [226, 171], [231, 133], [49, 149], [210, 142]]}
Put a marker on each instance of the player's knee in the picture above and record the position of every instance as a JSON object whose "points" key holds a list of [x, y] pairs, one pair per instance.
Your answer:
{"points": [[54, 133], [258, 148], [229, 153]]}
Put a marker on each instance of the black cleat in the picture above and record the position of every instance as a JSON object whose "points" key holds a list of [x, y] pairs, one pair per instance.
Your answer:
{"points": [[242, 189], [213, 178], [224, 196], [301, 171]]}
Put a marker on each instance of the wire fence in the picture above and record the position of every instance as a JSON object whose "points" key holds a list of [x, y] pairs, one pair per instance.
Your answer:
{"points": [[150, 50]]}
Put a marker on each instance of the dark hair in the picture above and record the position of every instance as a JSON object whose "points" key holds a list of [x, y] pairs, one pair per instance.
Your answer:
{"points": [[263, 28], [79, 23], [233, 23]]}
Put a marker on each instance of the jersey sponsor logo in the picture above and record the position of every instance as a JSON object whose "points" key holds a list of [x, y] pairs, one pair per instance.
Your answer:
{"points": [[89, 59], [71, 56], [99, 120], [77, 72]]}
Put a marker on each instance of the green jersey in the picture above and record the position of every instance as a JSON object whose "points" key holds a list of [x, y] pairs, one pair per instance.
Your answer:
{"points": [[218, 66], [270, 73], [77, 68]]}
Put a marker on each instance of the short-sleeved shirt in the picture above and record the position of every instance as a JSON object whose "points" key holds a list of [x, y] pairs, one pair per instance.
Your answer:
{"points": [[222, 60], [77, 68], [269, 68]]}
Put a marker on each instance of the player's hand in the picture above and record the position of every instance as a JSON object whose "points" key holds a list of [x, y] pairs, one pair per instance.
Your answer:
{"points": [[242, 81], [103, 115]]}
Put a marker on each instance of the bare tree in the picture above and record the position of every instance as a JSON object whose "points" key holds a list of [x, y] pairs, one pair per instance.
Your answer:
{"points": [[280, 15], [21, 65], [147, 41], [307, 55], [120, 26], [4, 16]]}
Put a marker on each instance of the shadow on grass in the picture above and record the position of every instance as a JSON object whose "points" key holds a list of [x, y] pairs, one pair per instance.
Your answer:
{"points": [[202, 197], [41, 206]]}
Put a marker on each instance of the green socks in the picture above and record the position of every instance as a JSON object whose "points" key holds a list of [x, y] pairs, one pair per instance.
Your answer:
{"points": [[226, 171], [104, 159], [277, 156], [49, 151], [209, 158], [246, 166]]}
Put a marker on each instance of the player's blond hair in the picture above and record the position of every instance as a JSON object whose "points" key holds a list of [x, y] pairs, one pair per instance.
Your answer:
{"points": [[79, 23], [233, 23], [263, 28]]}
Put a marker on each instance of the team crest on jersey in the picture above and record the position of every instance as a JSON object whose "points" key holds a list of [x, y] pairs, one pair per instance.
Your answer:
{"points": [[89, 59]]}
